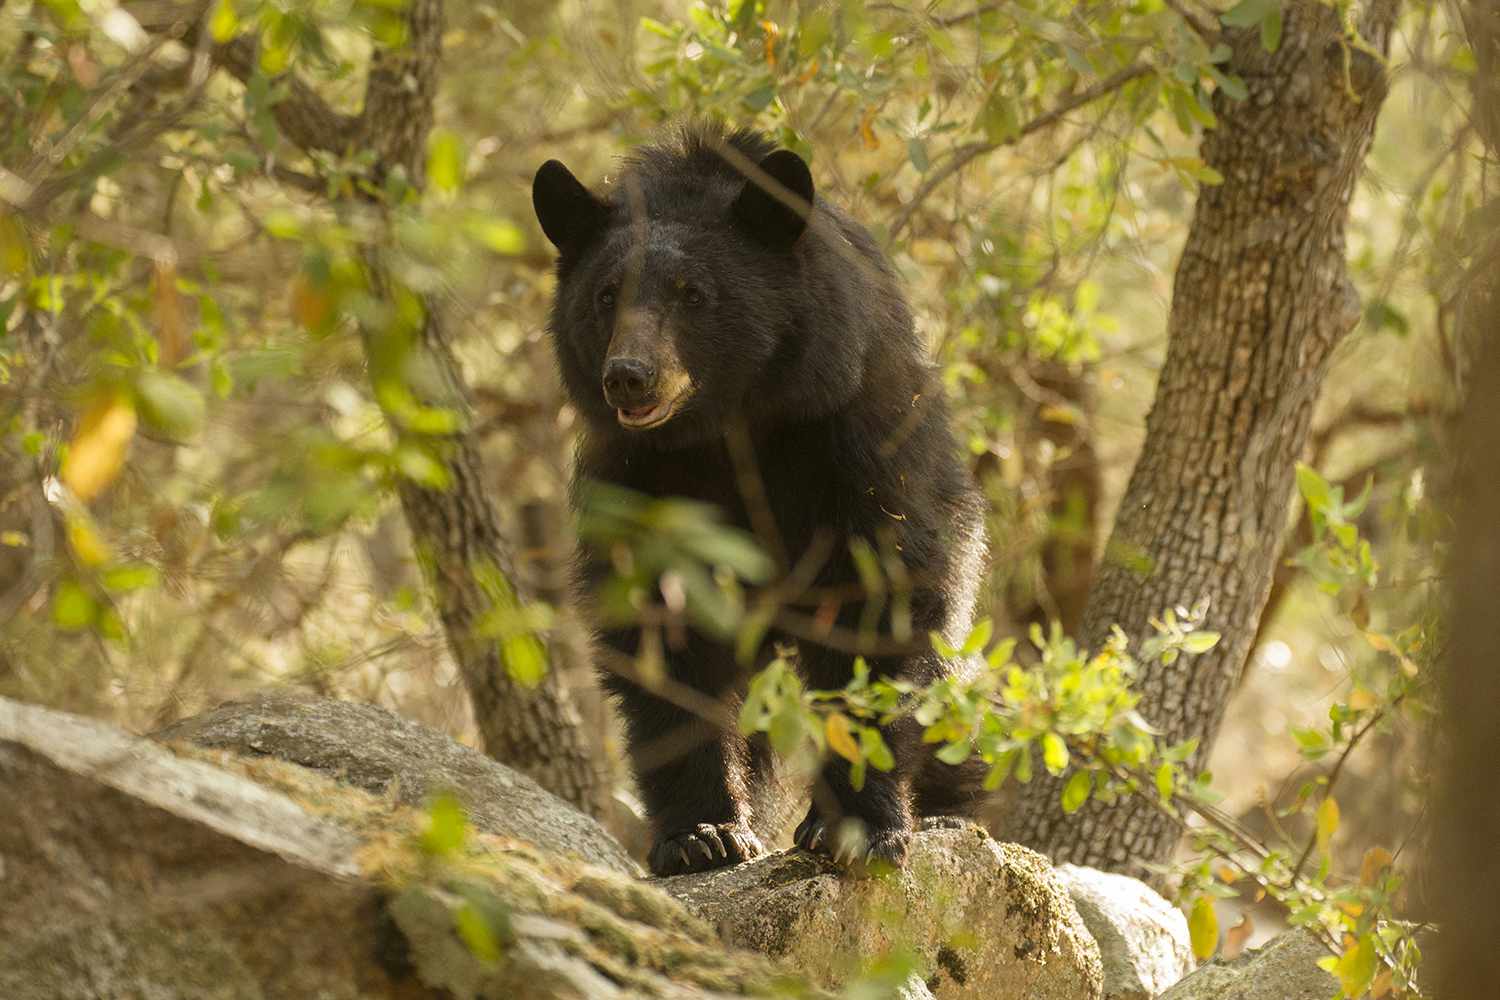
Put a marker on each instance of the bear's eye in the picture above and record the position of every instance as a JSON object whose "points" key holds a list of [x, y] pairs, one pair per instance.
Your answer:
{"points": [[692, 296], [607, 296]]}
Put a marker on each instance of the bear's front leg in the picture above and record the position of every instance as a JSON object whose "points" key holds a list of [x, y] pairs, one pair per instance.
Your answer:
{"points": [[869, 826], [692, 775]]}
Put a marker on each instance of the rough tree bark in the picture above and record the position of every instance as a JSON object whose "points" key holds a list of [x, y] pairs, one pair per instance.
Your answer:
{"points": [[455, 530], [1261, 298]]}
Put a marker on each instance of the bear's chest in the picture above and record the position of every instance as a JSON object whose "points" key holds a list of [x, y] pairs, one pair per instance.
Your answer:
{"points": [[796, 477]]}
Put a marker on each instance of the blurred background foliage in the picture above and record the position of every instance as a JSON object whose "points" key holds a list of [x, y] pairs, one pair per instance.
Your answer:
{"points": [[196, 475]]}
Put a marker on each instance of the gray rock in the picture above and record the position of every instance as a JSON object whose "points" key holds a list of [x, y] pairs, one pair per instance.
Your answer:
{"points": [[131, 873], [128, 870], [1286, 968], [370, 748], [985, 919], [1142, 938]]}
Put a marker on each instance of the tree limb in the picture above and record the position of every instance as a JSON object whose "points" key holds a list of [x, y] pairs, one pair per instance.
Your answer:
{"points": [[962, 156]]}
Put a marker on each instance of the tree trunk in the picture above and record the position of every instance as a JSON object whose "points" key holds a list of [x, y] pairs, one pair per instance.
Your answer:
{"points": [[1466, 820], [1466, 817], [1261, 298], [534, 729], [455, 530]]}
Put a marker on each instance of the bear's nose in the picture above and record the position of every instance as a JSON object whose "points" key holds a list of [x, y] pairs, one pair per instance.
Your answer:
{"points": [[628, 382]]}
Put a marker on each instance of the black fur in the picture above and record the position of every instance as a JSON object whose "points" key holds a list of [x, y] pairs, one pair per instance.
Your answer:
{"points": [[788, 321]]}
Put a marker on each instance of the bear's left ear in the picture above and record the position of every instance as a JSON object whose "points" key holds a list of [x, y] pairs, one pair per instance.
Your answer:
{"points": [[775, 211], [569, 213]]}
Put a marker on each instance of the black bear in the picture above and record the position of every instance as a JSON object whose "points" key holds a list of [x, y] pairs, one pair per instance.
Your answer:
{"points": [[708, 293]]}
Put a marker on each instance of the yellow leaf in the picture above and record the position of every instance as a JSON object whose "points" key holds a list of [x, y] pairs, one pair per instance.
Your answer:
{"points": [[97, 452], [867, 130], [1375, 861], [224, 23], [14, 539], [1203, 928], [840, 741], [84, 537], [773, 32], [1356, 966], [1362, 699], [1328, 822], [15, 247]]}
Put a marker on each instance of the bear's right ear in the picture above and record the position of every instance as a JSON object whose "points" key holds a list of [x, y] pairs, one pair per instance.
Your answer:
{"points": [[569, 213]]}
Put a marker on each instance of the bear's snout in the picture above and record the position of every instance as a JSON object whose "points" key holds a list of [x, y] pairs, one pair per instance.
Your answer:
{"points": [[629, 383]]}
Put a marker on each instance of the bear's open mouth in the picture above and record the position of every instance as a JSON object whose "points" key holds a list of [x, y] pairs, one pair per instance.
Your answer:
{"points": [[642, 418]]}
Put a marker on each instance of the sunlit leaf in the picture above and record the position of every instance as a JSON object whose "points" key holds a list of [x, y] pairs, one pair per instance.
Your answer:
{"points": [[840, 739], [72, 606], [1203, 928], [1076, 792], [447, 826], [97, 452], [445, 160], [1054, 752], [224, 22], [1328, 821]]}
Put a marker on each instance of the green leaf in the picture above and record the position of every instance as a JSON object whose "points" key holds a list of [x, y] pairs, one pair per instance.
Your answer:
{"points": [[132, 576], [1165, 779], [1270, 30], [225, 22], [72, 606], [954, 753], [1000, 655], [876, 752], [168, 404], [1203, 928], [1054, 752], [1313, 487], [999, 770], [447, 826], [1355, 968], [1199, 642], [979, 637], [1076, 792], [916, 151], [475, 932], [445, 160], [1247, 13]]}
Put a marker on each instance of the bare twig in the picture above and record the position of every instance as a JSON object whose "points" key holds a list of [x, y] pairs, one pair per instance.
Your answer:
{"points": [[1333, 777], [962, 156]]}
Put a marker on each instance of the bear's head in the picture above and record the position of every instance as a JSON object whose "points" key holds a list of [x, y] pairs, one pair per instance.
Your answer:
{"points": [[680, 285]]}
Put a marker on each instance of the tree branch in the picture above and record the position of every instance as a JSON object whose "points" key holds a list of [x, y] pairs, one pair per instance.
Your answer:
{"points": [[963, 155]]}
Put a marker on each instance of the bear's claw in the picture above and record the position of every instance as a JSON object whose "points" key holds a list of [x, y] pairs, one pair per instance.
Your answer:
{"points": [[705, 846], [856, 848]]}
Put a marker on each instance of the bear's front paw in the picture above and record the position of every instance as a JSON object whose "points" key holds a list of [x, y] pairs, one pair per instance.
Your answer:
{"points": [[705, 846], [853, 844]]}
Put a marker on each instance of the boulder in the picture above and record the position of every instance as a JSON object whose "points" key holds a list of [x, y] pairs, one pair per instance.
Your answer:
{"points": [[1286, 968], [370, 748], [984, 919], [276, 848], [1143, 939], [130, 869]]}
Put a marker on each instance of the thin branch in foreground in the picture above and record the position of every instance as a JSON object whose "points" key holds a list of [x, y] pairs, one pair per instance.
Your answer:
{"points": [[963, 155]]}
